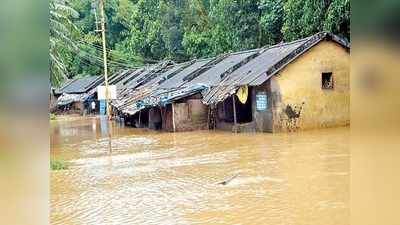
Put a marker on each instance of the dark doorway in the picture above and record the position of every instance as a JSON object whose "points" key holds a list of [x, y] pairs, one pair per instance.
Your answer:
{"points": [[143, 120], [244, 112], [155, 118]]}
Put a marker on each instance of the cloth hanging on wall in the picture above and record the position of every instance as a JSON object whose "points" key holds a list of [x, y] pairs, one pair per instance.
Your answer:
{"points": [[242, 94]]}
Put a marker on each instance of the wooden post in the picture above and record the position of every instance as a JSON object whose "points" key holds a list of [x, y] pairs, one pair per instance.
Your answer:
{"points": [[208, 117], [162, 117], [234, 113], [140, 122], [173, 117]]}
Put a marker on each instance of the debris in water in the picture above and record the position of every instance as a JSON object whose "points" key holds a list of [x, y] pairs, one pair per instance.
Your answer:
{"points": [[225, 182]]}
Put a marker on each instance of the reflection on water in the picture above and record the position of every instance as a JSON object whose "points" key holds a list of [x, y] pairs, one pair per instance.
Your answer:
{"points": [[166, 178]]}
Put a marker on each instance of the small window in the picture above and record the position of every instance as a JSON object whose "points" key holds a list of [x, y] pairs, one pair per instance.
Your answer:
{"points": [[327, 80]]}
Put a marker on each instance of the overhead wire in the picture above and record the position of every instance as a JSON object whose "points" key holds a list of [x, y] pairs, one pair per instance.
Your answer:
{"points": [[92, 57], [111, 52]]}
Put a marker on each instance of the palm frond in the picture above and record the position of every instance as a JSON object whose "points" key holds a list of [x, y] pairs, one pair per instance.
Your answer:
{"points": [[61, 31]]}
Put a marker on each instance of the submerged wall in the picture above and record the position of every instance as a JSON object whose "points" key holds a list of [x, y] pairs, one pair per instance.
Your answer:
{"points": [[189, 115], [300, 102], [155, 118]]}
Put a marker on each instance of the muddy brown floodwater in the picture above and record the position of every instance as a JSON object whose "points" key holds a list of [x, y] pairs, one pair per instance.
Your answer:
{"points": [[166, 178]]}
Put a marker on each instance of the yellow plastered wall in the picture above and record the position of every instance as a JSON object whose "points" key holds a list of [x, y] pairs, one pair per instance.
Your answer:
{"points": [[300, 81]]}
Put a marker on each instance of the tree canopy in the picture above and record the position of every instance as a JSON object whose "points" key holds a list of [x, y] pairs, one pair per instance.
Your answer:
{"points": [[147, 31]]}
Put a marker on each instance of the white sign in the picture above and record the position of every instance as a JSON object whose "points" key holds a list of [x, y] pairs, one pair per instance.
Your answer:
{"points": [[101, 92]]}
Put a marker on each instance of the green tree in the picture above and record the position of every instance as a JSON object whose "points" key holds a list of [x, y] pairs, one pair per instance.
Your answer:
{"points": [[307, 17], [292, 26], [196, 27], [61, 32], [235, 25], [271, 21], [147, 31], [337, 18]]}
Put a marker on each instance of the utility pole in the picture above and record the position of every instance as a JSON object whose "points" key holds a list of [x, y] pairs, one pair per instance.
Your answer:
{"points": [[103, 36]]}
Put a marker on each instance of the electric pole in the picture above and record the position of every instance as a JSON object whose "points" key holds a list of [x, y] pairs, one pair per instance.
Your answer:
{"points": [[103, 36]]}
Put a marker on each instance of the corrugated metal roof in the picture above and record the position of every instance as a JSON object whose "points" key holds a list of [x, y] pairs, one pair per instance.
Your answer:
{"points": [[177, 80], [134, 82], [148, 74], [126, 100], [260, 64], [131, 75], [63, 85], [223, 74], [118, 76], [80, 85], [262, 67], [165, 75], [212, 76]]}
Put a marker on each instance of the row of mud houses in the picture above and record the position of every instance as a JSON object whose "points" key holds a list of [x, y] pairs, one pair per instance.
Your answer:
{"points": [[302, 84]]}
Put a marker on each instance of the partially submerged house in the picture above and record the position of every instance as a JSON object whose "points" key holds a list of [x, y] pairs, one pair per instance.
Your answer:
{"points": [[73, 95], [176, 104], [150, 104], [302, 84], [181, 108], [298, 85]]}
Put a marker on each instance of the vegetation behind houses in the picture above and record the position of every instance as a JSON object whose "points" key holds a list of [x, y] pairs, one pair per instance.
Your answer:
{"points": [[147, 31]]}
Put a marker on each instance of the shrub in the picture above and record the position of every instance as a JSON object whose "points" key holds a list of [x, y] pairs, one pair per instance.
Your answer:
{"points": [[58, 165], [53, 116]]}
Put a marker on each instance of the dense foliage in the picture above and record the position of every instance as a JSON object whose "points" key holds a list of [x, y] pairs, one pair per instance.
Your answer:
{"points": [[146, 31]]}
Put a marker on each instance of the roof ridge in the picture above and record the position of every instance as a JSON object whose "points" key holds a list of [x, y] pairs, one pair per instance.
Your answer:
{"points": [[284, 44], [245, 51]]}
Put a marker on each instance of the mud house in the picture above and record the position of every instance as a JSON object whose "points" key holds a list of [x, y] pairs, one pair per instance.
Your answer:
{"points": [[132, 88], [298, 85], [302, 84], [74, 95], [179, 108]]}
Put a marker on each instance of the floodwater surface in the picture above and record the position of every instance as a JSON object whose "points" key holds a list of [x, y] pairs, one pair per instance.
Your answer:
{"points": [[175, 178]]}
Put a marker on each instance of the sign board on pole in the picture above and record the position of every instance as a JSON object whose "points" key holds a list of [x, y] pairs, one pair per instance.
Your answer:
{"points": [[112, 92], [102, 107]]}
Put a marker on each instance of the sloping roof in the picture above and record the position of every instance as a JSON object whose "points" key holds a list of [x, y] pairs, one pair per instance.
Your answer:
{"points": [[269, 62], [222, 75], [118, 76], [214, 75], [66, 99], [126, 99], [92, 87], [130, 74], [148, 75], [62, 86], [167, 74], [178, 79], [182, 81], [80, 85]]}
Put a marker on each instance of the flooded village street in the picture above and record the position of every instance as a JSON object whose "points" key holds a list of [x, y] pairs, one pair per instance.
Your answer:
{"points": [[155, 177]]}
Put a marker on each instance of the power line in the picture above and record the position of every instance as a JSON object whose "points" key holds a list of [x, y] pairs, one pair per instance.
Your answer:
{"points": [[110, 51], [91, 57]]}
